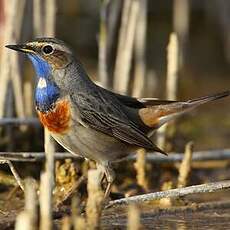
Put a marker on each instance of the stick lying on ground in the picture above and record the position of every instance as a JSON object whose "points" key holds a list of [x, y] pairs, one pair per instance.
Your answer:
{"points": [[173, 193]]}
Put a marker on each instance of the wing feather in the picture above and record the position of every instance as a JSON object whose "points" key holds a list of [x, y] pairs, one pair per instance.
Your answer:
{"points": [[104, 113]]}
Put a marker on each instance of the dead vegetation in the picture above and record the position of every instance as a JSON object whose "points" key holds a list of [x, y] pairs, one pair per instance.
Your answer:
{"points": [[160, 185]]}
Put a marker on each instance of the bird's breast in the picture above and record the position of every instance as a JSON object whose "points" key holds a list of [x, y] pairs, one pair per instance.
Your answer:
{"points": [[57, 120]]}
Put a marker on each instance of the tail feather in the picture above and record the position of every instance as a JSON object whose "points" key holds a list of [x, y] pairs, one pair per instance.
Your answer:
{"points": [[212, 97], [157, 115]]}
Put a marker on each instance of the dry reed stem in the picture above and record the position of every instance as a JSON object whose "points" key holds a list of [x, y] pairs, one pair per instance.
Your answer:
{"points": [[45, 203], [66, 223], [125, 45], [10, 15], [171, 82], [9, 61], [133, 218], [139, 51], [185, 166], [95, 199], [79, 222], [181, 17], [27, 219], [140, 166], [23, 221], [31, 201], [38, 20], [181, 25], [46, 186], [28, 97], [166, 202], [16, 77], [173, 193], [102, 65], [50, 18], [17, 86], [121, 43]]}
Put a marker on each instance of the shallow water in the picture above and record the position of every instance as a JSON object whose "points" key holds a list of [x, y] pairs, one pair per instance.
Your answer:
{"points": [[213, 215]]}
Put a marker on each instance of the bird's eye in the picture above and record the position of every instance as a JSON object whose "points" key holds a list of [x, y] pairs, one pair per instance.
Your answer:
{"points": [[47, 49]]}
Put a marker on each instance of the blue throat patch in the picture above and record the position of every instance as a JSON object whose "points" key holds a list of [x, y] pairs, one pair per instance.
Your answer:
{"points": [[47, 93]]}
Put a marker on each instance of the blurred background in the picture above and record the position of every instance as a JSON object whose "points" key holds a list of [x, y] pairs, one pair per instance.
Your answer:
{"points": [[93, 30], [171, 49]]}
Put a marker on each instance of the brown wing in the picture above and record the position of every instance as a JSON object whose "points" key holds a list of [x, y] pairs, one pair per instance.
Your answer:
{"points": [[107, 115]]}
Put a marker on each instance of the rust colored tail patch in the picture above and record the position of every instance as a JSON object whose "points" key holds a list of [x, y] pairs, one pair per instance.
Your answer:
{"points": [[58, 119]]}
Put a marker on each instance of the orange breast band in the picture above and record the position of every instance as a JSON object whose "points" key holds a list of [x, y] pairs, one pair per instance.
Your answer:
{"points": [[58, 119]]}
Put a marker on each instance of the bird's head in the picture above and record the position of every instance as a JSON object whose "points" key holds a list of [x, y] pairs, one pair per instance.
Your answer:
{"points": [[54, 64], [46, 54]]}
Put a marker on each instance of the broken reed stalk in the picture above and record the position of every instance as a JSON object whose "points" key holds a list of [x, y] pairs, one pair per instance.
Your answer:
{"points": [[171, 82], [66, 223], [133, 218], [23, 221], [95, 199], [27, 219], [140, 51], [185, 166], [140, 166], [46, 185], [125, 45], [166, 201], [79, 222], [173, 193]]}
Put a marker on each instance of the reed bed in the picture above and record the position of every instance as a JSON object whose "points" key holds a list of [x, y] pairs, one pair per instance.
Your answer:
{"points": [[123, 23]]}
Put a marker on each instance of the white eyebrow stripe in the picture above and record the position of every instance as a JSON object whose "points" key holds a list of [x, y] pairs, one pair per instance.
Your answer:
{"points": [[42, 83]]}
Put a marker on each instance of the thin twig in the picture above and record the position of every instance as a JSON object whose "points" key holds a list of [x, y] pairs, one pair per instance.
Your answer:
{"points": [[209, 155], [14, 172], [70, 192], [174, 193], [19, 121]]}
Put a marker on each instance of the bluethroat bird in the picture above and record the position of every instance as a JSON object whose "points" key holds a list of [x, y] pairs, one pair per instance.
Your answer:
{"points": [[89, 120]]}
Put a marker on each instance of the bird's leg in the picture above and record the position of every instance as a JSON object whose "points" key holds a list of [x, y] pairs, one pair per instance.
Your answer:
{"points": [[110, 176]]}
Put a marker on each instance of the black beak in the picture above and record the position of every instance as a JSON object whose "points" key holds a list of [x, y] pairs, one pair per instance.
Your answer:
{"points": [[21, 47]]}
